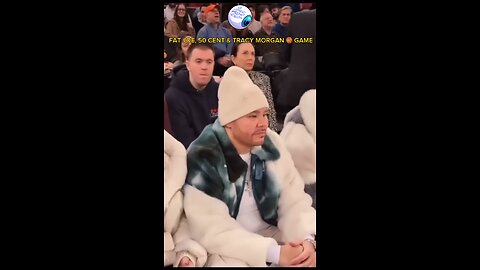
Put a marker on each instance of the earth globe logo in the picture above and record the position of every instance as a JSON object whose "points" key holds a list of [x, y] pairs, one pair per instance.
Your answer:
{"points": [[239, 17]]}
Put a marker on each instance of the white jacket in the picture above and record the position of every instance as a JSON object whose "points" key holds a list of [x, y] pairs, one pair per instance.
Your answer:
{"points": [[176, 236], [300, 136]]}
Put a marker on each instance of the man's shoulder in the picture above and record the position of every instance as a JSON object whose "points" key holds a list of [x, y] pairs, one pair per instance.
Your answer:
{"points": [[175, 96], [205, 146]]}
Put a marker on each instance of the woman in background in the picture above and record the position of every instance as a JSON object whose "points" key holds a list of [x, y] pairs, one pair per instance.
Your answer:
{"points": [[179, 23], [243, 56]]}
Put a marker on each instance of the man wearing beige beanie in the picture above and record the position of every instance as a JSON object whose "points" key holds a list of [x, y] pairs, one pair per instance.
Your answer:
{"points": [[244, 199]]}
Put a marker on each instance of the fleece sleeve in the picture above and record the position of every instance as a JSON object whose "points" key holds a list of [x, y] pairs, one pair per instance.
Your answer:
{"points": [[185, 246], [296, 215], [213, 227]]}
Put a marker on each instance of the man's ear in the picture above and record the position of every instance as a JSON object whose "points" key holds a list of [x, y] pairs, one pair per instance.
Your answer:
{"points": [[187, 64]]}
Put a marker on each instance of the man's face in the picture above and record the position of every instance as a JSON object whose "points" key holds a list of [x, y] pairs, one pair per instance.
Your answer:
{"points": [[200, 66], [251, 129], [213, 16], [267, 20], [202, 14], [284, 17], [172, 5]]}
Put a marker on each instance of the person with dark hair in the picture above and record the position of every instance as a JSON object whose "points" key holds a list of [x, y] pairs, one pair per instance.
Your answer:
{"points": [[260, 10], [201, 19], [283, 21], [243, 55], [266, 32], [166, 117], [214, 29], [192, 96], [179, 23], [275, 10], [255, 25]]}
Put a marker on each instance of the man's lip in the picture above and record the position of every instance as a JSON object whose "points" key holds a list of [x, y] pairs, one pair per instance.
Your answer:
{"points": [[260, 133]]}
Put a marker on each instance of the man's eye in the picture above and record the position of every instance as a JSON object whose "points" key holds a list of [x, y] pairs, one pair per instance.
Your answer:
{"points": [[252, 116]]}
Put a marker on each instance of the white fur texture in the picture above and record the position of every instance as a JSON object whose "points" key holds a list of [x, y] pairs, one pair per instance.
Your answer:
{"points": [[300, 140], [220, 234], [176, 233]]}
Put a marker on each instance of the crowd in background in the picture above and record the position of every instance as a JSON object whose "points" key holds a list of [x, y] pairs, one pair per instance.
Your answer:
{"points": [[295, 63], [212, 92]]}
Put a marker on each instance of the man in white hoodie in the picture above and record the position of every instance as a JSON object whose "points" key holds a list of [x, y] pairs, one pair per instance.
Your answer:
{"points": [[244, 199]]}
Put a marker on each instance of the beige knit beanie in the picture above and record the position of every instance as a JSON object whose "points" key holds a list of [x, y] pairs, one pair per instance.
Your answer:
{"points": [[238, 96]]}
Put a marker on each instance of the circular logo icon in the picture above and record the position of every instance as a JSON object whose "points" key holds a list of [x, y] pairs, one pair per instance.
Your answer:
{"points": [[239, 17], [289, 40]]}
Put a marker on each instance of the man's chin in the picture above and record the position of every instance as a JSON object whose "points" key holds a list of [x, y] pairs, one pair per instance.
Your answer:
{"points": [[258, 141]]}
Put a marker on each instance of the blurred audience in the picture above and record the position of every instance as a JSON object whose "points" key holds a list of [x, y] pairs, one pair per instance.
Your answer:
{"points": [[201, 20], [266, 31], [255, 25], [275, 10], [182, 49], [214, 29], [283, 21]]}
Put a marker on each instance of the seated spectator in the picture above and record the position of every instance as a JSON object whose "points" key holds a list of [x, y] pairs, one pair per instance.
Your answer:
{"points": [[182, 48], [300, 136], [243, 56], [178, 248], [255, 25], [170, 50], [213, 29], [275, 13], [266, 32], [243, 197], [192, 96], [201, 20], [260, 10], [169, 12], [295, 6], [283, 20], [179, 23], [236, 33]]}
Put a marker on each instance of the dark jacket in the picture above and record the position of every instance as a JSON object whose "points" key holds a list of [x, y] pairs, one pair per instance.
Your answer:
{"points": [[263, 48], [190, 110], [301, 73], [166, 118]]}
